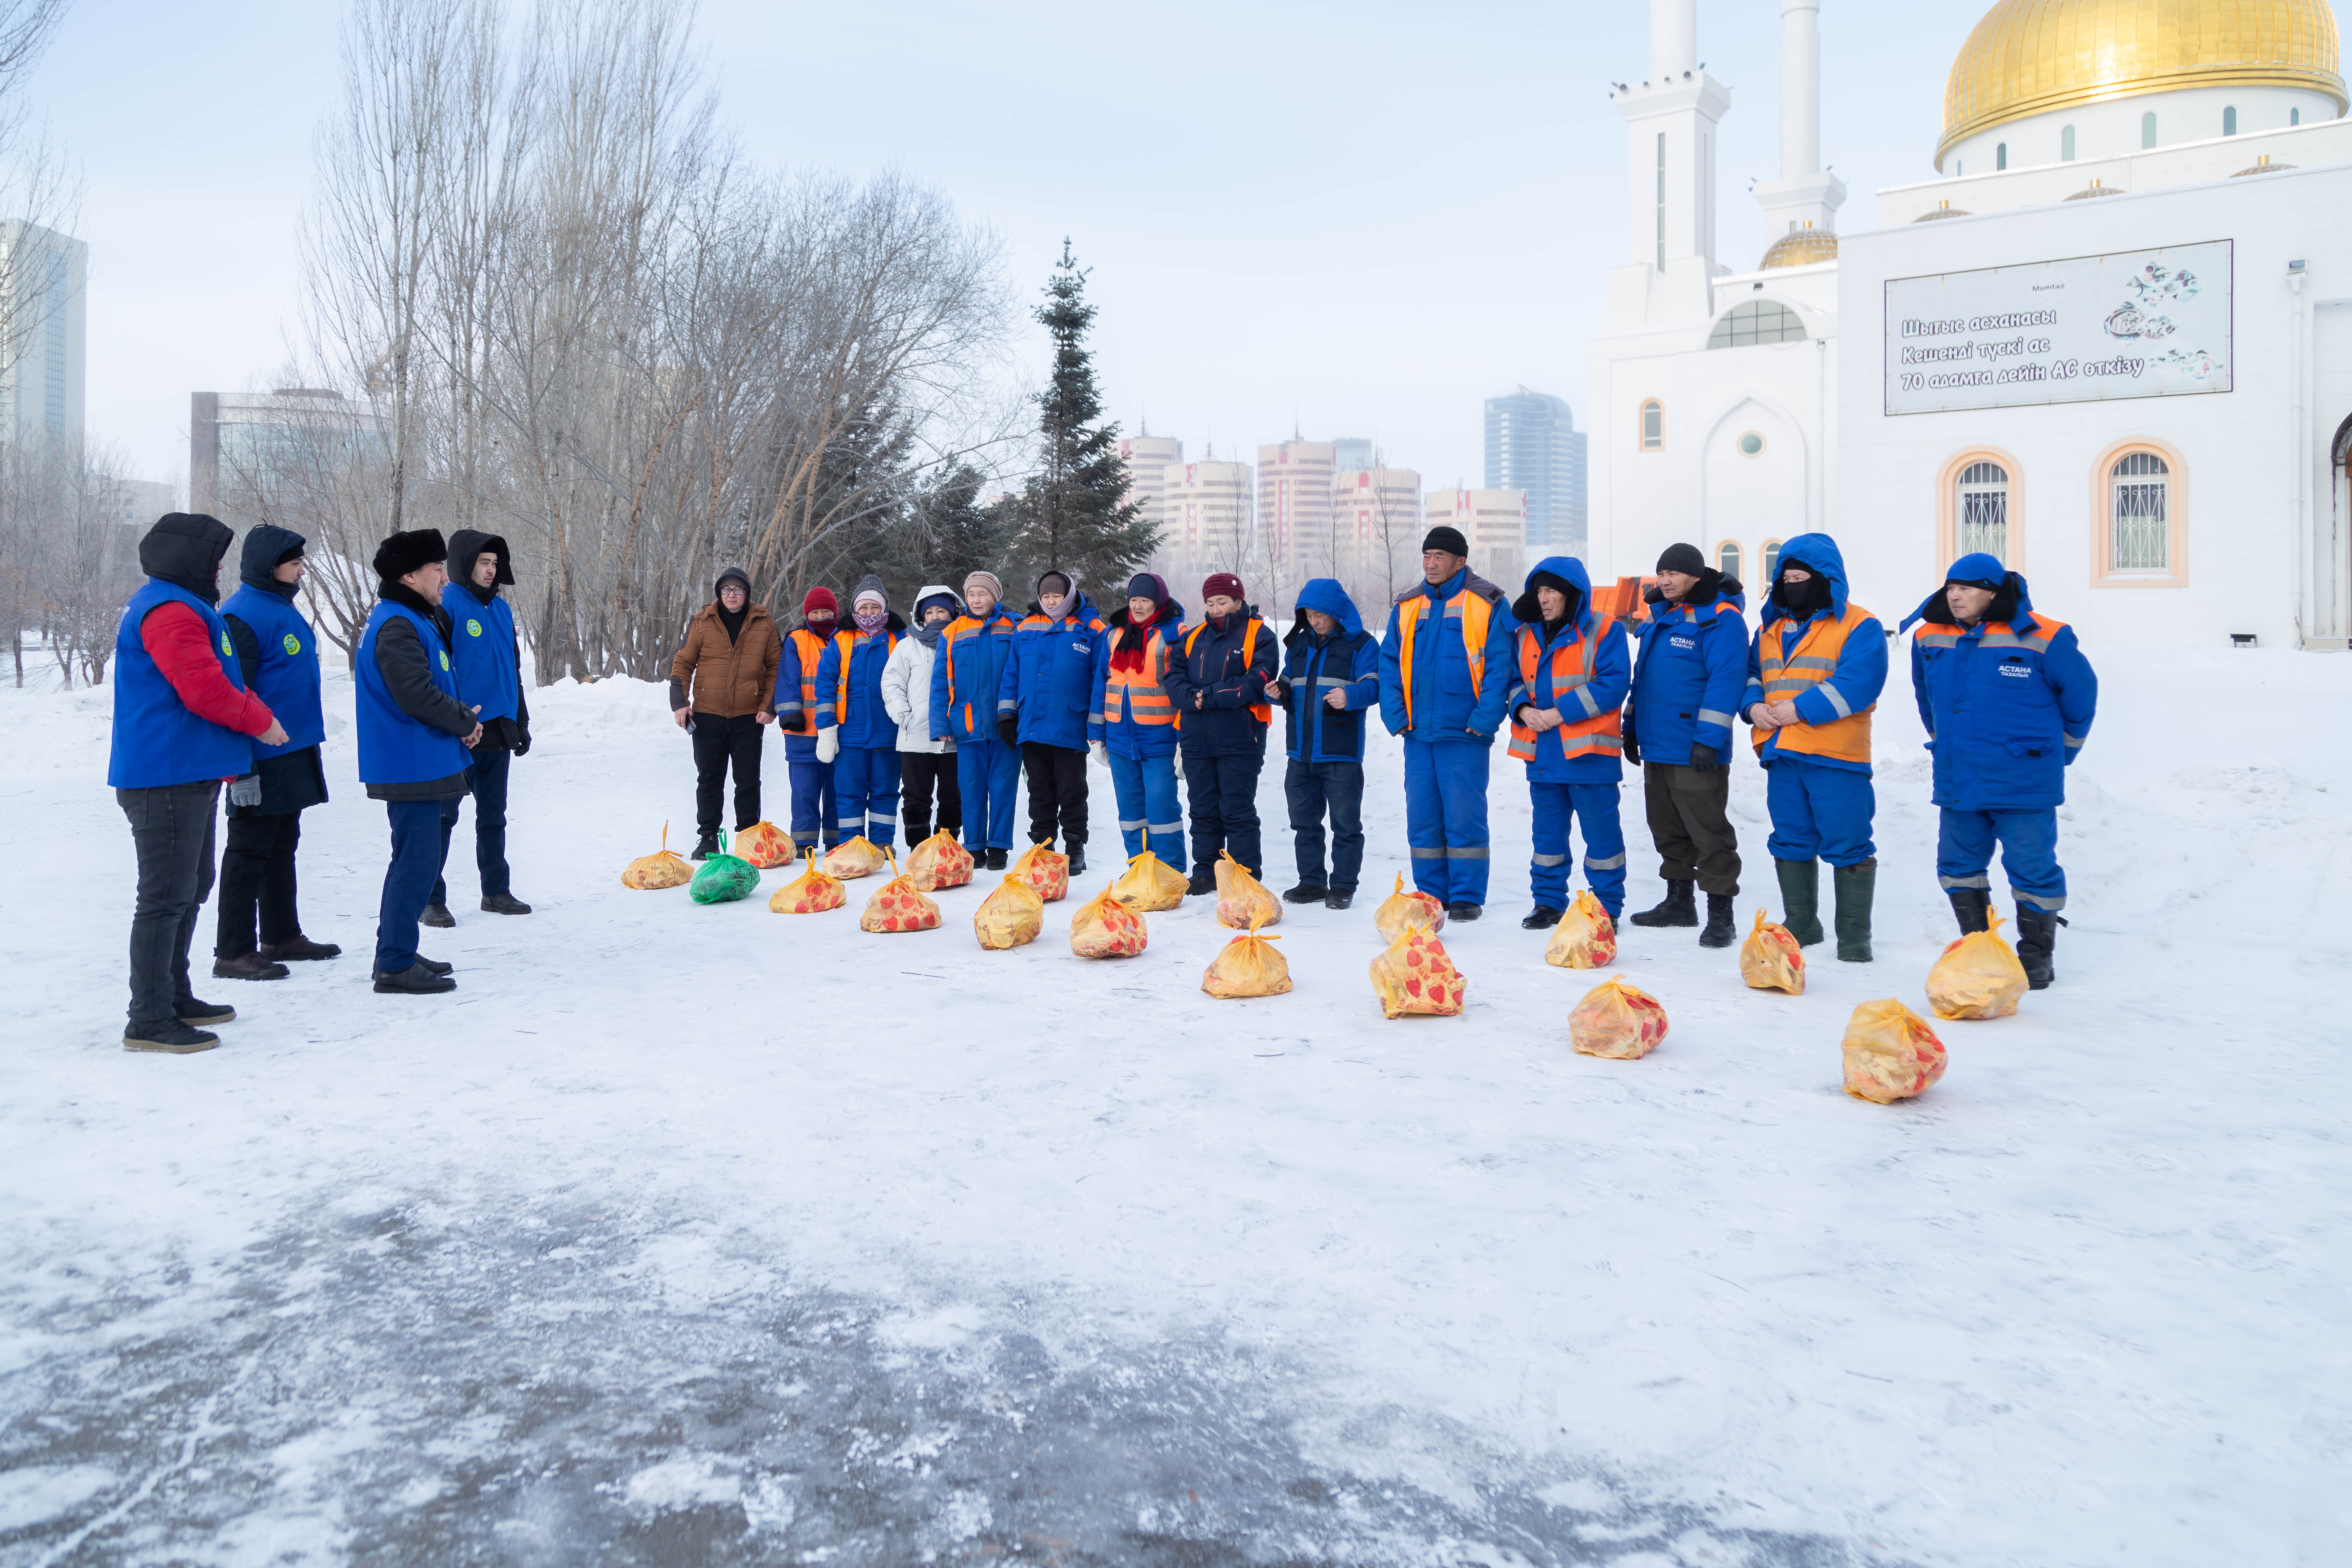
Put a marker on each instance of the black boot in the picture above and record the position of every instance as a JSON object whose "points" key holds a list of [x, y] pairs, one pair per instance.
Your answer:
{"points": [[196, 1015], [1800, 900], [996, 859], [414, 981], [1307, 893], [248, 966], [1464, 911], [1856, 886], [1204, 881], [436, 915], [1543, 917], [1970, 907], [1077, 859], [504, 904], [1719, 931], [171, 1036], [2037, 944], [708, 845], [432, 964], [299, 949], [1339, 897], [1677, 911]]}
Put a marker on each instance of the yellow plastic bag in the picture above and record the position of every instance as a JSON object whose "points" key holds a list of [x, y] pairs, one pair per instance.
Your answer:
{"points": [[1242, 902], [1102, 927], [1047, 874], [764, 845], [1979, 975], [847, 862], [939, 862], [1771, 960], [1150, 884], [1891, 1054], [1011, 915], [1414, 975], [1402, 909], [809, 893], [898, 905], [1617, 1021], [1586, 938], [1249, 966], [666, 867]]}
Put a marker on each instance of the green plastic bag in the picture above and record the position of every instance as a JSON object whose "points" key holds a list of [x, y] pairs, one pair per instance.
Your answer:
{"points": [[724, 878]]}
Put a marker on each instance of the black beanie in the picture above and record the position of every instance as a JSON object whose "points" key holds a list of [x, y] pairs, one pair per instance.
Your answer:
{"points": [[732, 574], [1449, 540], [403, 553], [1685, 558]]}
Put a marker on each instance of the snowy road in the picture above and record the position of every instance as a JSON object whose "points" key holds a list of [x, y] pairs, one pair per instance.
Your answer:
{"points": [[684, 1235]]}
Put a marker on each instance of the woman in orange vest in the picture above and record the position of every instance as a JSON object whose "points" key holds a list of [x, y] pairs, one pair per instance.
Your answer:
{"points": [[1814, 673], [796, 706], [1136, 740], [1218, 680], [1568, 681]]}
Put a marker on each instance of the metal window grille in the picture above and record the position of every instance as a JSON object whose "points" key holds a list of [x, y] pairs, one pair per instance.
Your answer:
{"points": [[2139, 531], [1758, 322], [1984, 510]]}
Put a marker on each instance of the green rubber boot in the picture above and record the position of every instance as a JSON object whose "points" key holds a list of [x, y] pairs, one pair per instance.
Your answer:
{"points": [[1854, 885], [1800, 900]]}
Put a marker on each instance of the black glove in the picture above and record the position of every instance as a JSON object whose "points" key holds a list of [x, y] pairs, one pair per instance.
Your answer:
{"points": [[1704, 759], [1633, 749], [522, 739], [1008, 728]]}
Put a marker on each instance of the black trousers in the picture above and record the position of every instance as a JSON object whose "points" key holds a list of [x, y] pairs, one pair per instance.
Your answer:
{"points": [[717, 744], [1221, 798], [172, 829], [256, 876], [1688, 824], [1057, 786], [919, 772], [1308, 787], [485, 779]]}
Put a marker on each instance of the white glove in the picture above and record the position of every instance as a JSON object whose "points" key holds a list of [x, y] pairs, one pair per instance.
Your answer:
{"points": [[1100, 754], [828, 744], [245, 791]]}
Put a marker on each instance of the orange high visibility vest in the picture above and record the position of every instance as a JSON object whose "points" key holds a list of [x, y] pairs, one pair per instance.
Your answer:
{"points": [[946, 651], [846, 641], [1571, 667], [2035, 635], [1136, 693], [811, 649], [1789, 673], [1263, 713], [1476, 614]]}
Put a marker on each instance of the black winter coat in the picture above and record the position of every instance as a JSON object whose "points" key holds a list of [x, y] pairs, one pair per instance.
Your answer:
{"points": [[1215, 689]]}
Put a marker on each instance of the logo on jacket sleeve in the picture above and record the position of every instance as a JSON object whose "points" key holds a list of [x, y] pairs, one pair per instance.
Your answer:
{"points": [[293, 643], [473, 628]]}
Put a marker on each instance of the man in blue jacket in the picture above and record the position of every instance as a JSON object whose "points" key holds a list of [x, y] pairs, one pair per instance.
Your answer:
{"points": [[1330, 674], [1686, 684], [414, 737], [1567, 696], [1217, 681], [1445, 673], [856, 735], [2008, 700], [964, 681], [488, 654], [1043, 709]]}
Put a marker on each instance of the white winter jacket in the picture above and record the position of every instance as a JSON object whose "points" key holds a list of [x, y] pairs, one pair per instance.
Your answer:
{"points": [[907, 693]]}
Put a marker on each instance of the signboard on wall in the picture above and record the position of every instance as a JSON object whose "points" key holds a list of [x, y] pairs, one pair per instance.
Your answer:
{"points": [[2133, 323]]}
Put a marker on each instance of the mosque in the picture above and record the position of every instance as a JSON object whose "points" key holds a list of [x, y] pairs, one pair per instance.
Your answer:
{"points": [[2110, 342]]}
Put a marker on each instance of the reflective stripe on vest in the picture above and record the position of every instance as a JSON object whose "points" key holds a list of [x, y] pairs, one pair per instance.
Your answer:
{"points": [[1262, 711], [2034, 637], [1787, 674], [1596, 735], [811, 649], [1136, 693], [1476, 614], [848, 644]]}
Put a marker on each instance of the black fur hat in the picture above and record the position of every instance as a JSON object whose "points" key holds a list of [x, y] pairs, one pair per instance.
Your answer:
{"points": [[403, 553]]}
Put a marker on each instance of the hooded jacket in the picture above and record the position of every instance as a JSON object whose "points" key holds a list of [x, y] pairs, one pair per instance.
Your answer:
{"points": [[1457, 689], [1120, 731], [1227, 672], [1346, 661], [967, 674], [277, 654], [849, 676], [1690, 671], [182, 712], [1048, 682], [484, 641], [729, 676], [2006, 702], [1858, 672], [907, 681], [1599, 695]]}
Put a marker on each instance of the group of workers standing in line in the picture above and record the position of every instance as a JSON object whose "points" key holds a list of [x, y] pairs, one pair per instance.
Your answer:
{"points": [[206, 696]]}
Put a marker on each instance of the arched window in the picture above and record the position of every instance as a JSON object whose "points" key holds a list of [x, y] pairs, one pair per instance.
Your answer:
{"points": [[2230, 120], [1654, 426], [2294, 117], [1757, 321], [2001, 156], [1727, 558], [2139, 514], [2066, 143], [1981, 506], [2148, 129], [1772, 563]]}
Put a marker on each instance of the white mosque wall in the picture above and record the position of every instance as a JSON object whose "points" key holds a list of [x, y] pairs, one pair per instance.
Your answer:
{"points": [[2118, 127]]}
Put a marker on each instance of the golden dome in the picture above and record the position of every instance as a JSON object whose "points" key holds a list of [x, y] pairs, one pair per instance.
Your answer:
{"points": [[2029, 57], [1802, 247]]}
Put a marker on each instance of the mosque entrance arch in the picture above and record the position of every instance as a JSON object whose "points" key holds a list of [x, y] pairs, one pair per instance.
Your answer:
{"points": [[1753, 479]]}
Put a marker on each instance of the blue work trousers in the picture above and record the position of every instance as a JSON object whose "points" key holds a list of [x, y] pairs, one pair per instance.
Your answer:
{"points": [[1223, 793], [1311, 787], [485, 775], [988, 776], [407, 882], [813, 814], [1149, 815], [2029, 853], [865, 793], [1594, 808], [1445, 818], [1818, 813]]}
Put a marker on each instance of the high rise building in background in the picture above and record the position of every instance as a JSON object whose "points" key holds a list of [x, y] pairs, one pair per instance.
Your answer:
{"points": [[1147, 458], [1294, 508], [1208, 512], [1533, 445], [248, 447], [1495, 522], [43, 333], [1352, 452], [1376, 516], [137, 503]]}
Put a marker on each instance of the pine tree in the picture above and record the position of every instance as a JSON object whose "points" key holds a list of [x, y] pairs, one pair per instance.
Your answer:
{"points": [[1073, 514]]}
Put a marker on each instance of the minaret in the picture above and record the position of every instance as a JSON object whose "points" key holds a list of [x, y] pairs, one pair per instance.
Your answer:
{"points": [[1671, 123], [1802, 195]]}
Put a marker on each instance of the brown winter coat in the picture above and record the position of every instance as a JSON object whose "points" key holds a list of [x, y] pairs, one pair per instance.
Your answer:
{"points": [[729, 678]]}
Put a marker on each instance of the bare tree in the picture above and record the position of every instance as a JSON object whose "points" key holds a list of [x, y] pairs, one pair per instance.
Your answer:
{"points": [[39, 190]]}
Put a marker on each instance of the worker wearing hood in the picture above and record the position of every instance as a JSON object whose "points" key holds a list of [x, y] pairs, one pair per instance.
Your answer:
{"points": [[488, 654], [1567, 682]]}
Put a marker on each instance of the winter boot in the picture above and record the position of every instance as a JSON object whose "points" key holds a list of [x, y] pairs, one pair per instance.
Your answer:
{"points": [[1339, 897], [708, 845], [1854, 884], [414, 981], [299, 949], [1800, 900], [1543, 917], [996, 859], [1718, 932], [170, 1036], [504, 904], [917, 829], [1307, 893], [1204, 881], [436, 915], [1969, 906], [1677, 911], [1077, 859], [2037, 942], [196, 1015], [430, 965], [1464, 911], [248, 966]]}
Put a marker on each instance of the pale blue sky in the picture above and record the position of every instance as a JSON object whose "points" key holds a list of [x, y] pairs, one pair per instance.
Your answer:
{"points": [[1365, 217]]}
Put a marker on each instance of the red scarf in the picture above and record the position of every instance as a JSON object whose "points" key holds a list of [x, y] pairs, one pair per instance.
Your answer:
{"points": [[1129, 654]]}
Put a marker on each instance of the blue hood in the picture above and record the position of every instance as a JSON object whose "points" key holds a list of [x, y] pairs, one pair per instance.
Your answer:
{"points": [[1818, 553], [1568, 570], [1325, 595], [2009, 603]]}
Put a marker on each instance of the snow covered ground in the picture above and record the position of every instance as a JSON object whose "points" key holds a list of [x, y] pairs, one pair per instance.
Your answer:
{"points": [[686, 1235]]}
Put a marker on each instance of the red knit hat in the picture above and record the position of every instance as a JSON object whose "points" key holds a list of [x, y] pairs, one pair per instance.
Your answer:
{"points": [[820, 605], [1224, 583]]}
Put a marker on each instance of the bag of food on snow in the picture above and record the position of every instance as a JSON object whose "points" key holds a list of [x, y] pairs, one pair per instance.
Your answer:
{"points": [[1248, 967], [1102, 927], [666, 867], [1617, 1021], [940, 861], [1010, 916], [766, 845], [1402, 909], [1891, 1054], [1586, 938], [857, 857], [1771, 960], [1979, 975], [898, 905], [809, 893], [724, 878], [1047, 874], [1150, 884], [1415, 977], [1243, 902]]}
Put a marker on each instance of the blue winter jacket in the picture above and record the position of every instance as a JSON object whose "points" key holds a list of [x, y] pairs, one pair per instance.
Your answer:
{"points": [[966, 674], [1445, 705], [1207, 662], [1860, 673], [867, 723], [1049, 678], [2008, 702], [1613, 672], [1348, 662], [1688, 677]]}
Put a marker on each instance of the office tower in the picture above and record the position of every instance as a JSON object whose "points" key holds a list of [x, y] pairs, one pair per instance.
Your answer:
{"points": [[290, 445], [43, 333], [1208, 512], [1352, 452], [1532, 445], [1294, 508], [1376, 514], [1147, 458]]}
